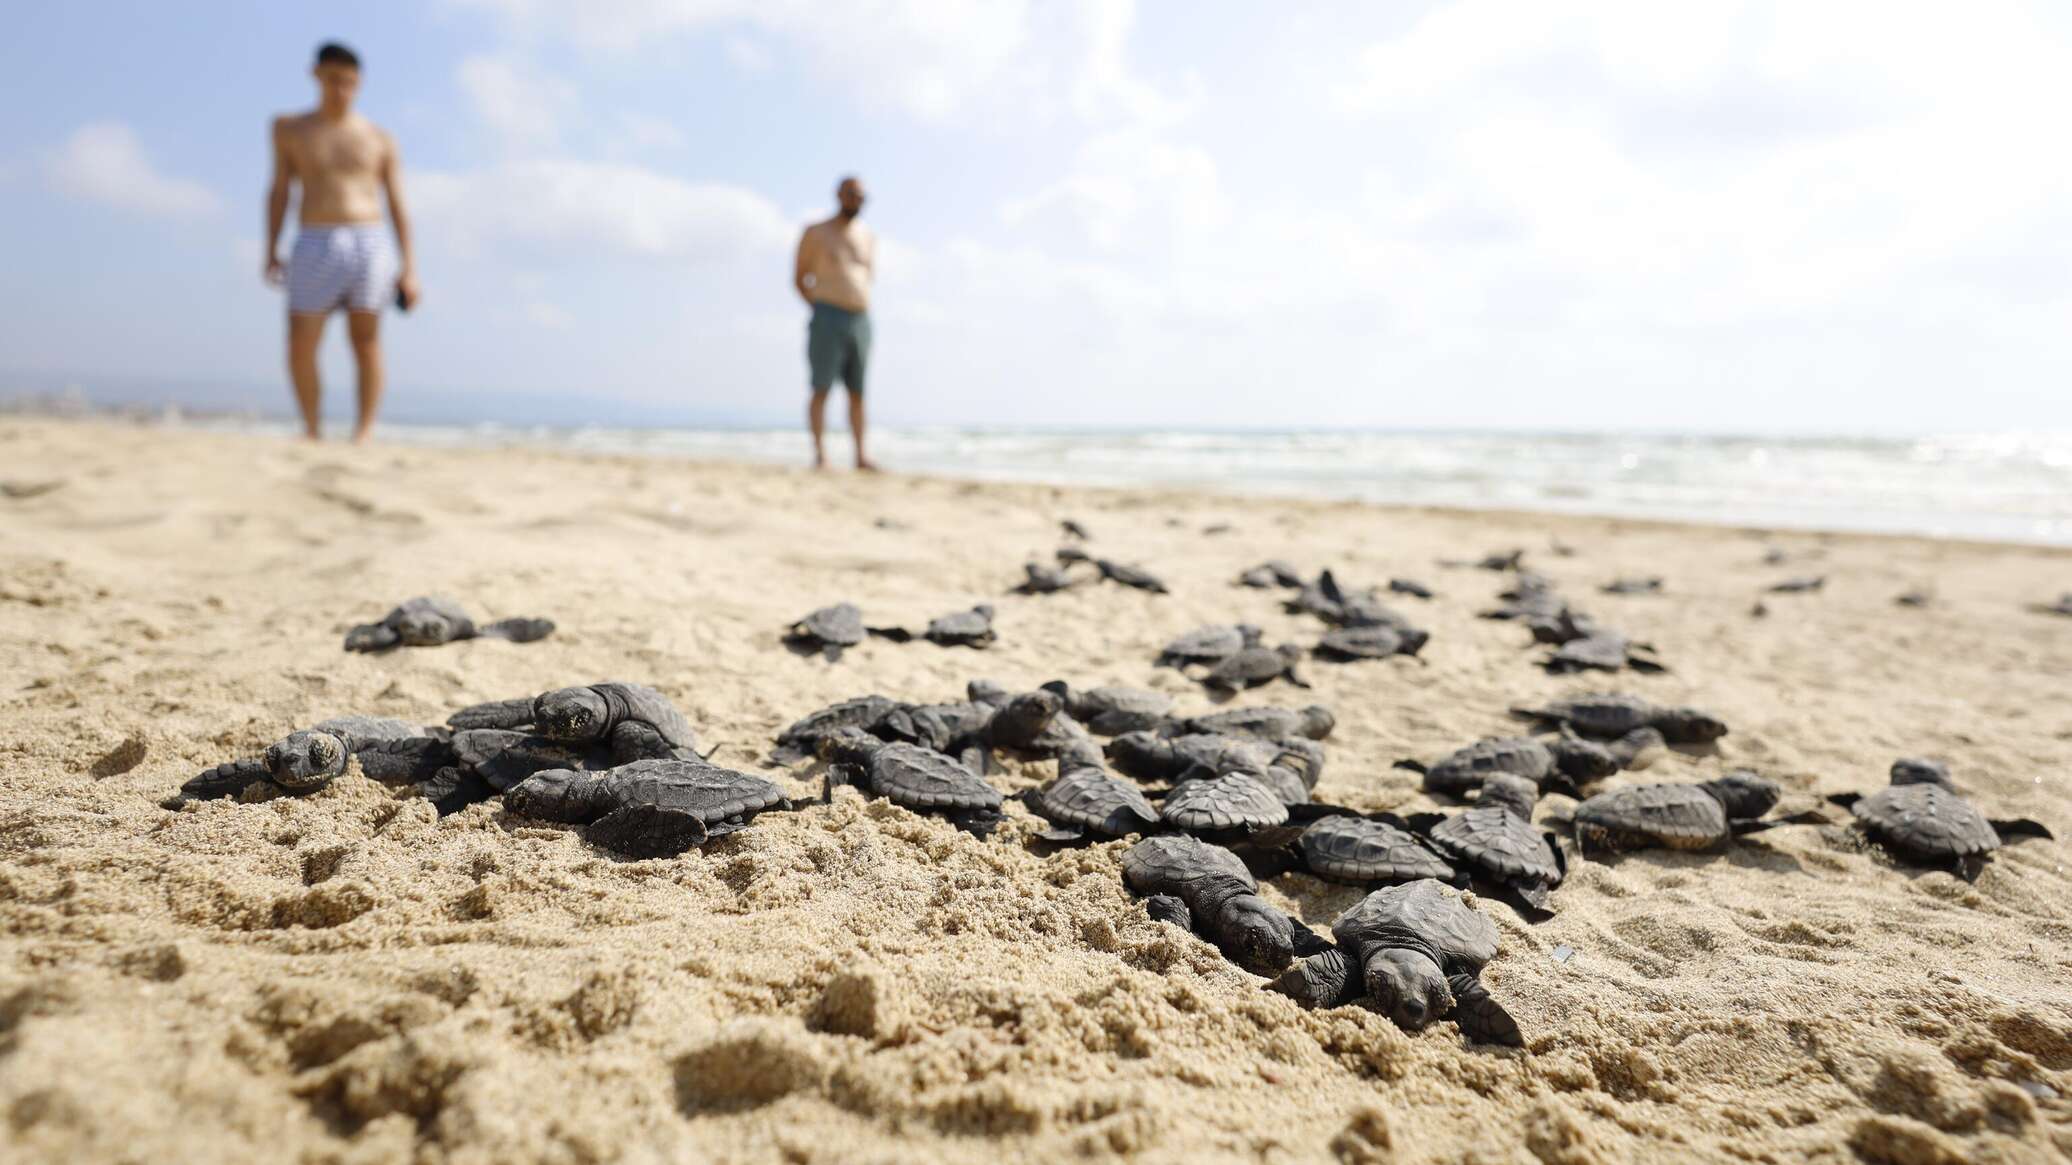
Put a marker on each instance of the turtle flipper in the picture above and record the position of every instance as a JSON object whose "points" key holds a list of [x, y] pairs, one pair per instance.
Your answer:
{"points": [[979, 823], [2011, 828], [647, 831], [1536, 895], [1305, 941], [371, 637], [452, 789], [895, 634], [1324, 979], [225, 780], [1169, 908], [1479, 1016], [516, 713], [632, 740], [519, 630]]}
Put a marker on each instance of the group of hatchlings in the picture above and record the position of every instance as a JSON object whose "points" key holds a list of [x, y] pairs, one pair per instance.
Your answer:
{"points": [[1217, 800]]}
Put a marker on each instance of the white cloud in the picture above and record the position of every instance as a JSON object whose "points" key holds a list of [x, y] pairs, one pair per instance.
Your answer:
{"points": [[746, 55], [105, 162], [606, 207], [527, 107]]}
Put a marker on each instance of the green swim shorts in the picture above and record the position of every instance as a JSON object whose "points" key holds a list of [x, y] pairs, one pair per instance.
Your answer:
{"points": [[838, 345]]}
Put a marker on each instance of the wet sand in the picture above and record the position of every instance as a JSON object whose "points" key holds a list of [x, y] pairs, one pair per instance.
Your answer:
{"points": [[345, 977]]}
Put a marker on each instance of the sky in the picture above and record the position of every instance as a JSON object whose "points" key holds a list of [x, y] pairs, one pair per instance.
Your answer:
{"points": [[1748, 217]]}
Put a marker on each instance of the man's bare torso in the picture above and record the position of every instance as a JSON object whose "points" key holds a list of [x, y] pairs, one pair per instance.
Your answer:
{"points": [[339, 165]]}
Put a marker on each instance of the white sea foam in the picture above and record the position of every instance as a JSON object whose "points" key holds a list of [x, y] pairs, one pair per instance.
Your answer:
{"points": [[2002, 486]]}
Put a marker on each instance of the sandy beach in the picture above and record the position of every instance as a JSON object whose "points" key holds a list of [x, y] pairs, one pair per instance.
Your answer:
{"points": [[346, 977]]}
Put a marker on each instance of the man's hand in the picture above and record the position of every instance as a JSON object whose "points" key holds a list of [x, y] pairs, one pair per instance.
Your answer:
{"points": [[406, 289], [273, 272]]}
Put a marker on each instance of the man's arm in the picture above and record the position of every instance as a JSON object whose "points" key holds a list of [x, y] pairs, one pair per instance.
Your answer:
{"points": [[802, 266], [392, 182], [277, 200]]}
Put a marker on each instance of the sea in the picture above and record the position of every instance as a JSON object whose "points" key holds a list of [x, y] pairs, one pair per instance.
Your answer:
{"points": [[2007, 486]]}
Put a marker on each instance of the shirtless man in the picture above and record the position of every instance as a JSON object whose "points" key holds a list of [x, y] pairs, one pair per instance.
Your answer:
{"points": [[341, 258], [833, 274]]}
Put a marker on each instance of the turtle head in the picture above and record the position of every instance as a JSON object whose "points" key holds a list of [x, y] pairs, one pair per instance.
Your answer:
{"points": [[1745, 795], [1250, 634], [849, 746], [1141, 754], [1511, 791], [1257, 935], [1690, 726], [1023, 718], [572, 714], [1408, 986], [552, 795], [1301, 757], [305, 760], [1582, 760], [985, 692], [1317, 722], [424, 629], [1915, 770]]}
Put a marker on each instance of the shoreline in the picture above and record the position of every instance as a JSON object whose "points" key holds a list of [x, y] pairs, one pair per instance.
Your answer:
{"points": [[552, 444]]}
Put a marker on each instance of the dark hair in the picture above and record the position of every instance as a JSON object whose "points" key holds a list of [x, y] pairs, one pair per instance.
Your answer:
{"points": [[333, 53]]}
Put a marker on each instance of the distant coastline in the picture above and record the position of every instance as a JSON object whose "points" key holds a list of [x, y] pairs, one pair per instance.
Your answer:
{"points": [[2005, 487]]}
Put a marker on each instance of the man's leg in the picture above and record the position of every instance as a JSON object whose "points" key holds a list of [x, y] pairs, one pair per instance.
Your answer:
{"points": [[816, 420], [305, 333], [856, 429], [366, 334]]}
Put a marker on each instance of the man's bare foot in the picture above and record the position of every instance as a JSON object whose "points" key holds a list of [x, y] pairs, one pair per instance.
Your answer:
{"points": [[866, 465], [820, 465], [362, 436]]}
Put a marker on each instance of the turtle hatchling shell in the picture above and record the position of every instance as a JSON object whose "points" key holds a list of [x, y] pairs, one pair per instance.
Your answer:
{"points": [[1676, 816], [1927, 821], [1359, 849], [1091, 799], [1499, 841], [1231, 801], [1435, 913], [922, 779]]}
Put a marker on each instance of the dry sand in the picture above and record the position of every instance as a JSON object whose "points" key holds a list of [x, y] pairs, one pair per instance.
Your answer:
{"points": [[346, 978]]}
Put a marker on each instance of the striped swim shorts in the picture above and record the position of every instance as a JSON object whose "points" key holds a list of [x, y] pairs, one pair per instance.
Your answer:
{"points": [[352, 266]]}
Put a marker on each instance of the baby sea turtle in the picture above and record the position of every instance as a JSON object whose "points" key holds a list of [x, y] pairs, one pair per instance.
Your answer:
{"points": [[1271, 573], [1922, 818], [1072, 529], [1418, 951], [489, 761], [1559, 763], [1149, 756], [1602, 651], [1375, 641], [1265, 722], [1254, 666], [1650, 585], [1112, 711], [1117, 571], [1209, 645], [913, 777], [1497, 839], [430, 621], [801, 741], [1085, 799], [1209, 802], [1411, 587], [1039, 579], [2062, 607], [1616, 714], [634, 721], [1678, 816], [828, 631], [1208, 887], [1917, 597], [304, 761], [1347, 847], [650, 808], [1793, 586], [973, 628]]}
